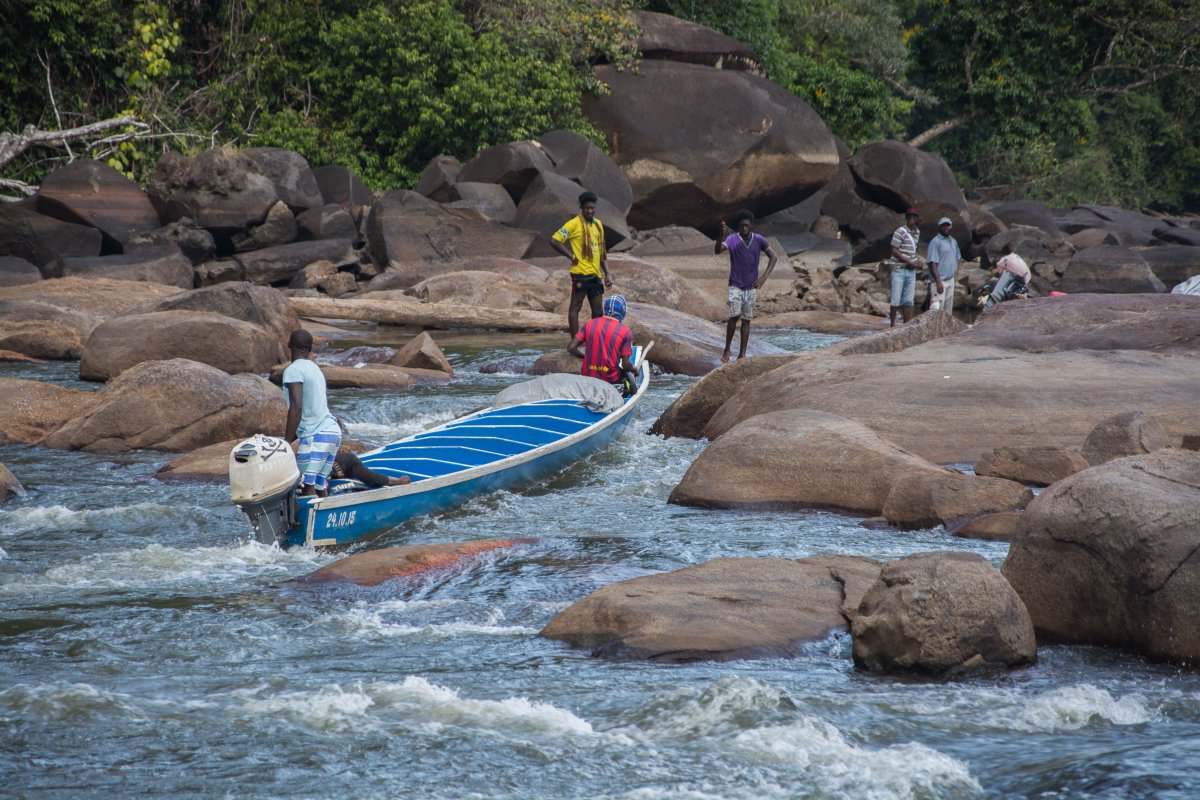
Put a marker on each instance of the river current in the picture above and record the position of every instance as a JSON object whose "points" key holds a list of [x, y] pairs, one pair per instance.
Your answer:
{"points": [[150, 650]]}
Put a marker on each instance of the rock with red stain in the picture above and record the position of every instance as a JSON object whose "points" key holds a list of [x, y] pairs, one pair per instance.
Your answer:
{"points": [[376, 566]]}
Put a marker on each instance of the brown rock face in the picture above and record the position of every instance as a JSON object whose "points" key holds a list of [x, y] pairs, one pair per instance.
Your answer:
{"points": [[688, 415], [720, 610], [491, 289], [1108, 556], [690, 167], [223, 342], [165, 264], [656, 285], [9, 485], [1037, 466], [397, 563], [1110, 270], [1130, 433], [31, 409], [40, 239], [941, 613], [173, 405], [422, 352], [221, 191], [810, 459], [683, 344], [999, 527], [670, 38], [53, 318], [90, 192], [260, 305], [899, 176], [205, 464]]}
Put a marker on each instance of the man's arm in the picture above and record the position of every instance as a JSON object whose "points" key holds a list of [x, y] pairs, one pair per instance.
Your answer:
{"points": [[903, 259], [564, 250], [719, 246], [295, 408], [575, 348], [758, 284]]}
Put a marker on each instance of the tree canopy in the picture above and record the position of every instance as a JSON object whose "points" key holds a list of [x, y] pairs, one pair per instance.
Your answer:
{"points": [[1065, 101]]}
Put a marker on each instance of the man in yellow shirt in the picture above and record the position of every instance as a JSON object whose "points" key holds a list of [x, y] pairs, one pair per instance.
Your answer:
{"points": [[589, 260]]}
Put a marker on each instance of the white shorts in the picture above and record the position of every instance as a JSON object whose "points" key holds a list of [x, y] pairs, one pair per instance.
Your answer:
{"points": [[741, 302]]}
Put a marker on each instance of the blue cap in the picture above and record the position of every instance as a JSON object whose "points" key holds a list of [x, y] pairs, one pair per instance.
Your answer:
{"points": [[614, 306]]}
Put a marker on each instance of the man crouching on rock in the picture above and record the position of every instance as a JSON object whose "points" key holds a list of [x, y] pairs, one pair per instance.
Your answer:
{"points": [[308, 416]]}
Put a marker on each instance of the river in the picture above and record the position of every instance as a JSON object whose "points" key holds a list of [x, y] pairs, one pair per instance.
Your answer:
{"points": [[149, 649]]}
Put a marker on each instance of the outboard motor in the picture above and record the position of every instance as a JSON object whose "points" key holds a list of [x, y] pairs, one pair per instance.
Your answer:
{"points": [[263, 477]]}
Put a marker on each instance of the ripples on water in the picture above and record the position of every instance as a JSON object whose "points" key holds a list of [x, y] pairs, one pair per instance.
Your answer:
{"points": [[150, 650]]}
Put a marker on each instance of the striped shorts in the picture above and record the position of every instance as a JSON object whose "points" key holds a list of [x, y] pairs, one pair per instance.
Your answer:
{"points": [[315, 455]]}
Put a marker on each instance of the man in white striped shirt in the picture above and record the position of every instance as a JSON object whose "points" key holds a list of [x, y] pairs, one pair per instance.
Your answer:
{"points": [[905, 263]]}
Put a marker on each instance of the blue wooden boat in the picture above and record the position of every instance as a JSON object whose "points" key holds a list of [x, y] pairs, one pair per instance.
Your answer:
{"points": [[489, 450]]}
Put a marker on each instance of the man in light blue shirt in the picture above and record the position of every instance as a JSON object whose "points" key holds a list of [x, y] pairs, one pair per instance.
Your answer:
{"points": [[308, 418], [942, 256]]}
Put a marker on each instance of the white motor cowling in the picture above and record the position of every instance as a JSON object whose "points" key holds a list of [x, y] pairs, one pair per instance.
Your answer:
{"points": [[262, 480]]}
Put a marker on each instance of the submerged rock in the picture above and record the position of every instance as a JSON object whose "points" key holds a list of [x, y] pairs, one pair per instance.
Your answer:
{"points": [[392, 563]]}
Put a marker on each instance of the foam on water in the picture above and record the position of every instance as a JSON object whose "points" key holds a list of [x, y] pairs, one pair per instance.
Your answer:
{"points": [[418, 703], [728, 703], [1072, 708], [833, 766], [156, 565], [64, 701], [367, 622]]}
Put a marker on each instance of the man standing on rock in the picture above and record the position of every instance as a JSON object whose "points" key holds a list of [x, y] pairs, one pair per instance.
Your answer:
{"points": [[745, 251], [308, 417], [589, 260], [904, 263], [942, 256]]}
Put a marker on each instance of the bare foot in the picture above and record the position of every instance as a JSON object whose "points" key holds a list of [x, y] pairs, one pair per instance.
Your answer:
{"points": [[725, 357]]}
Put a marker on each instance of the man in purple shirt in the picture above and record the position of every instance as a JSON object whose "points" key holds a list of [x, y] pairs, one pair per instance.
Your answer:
{"points": [[745, 249]]}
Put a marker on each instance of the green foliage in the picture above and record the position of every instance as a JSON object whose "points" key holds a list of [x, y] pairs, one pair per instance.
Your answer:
{"points": [[853, 104]]}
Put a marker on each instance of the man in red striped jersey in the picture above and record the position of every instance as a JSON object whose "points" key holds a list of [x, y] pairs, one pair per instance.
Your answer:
{"points": [[605, 345]]}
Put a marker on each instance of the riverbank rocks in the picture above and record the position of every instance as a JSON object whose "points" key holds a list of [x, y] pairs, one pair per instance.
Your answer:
{"points": [[172, 405], [729, 608], [1108, 556], [164, 264], [260, 305], [493, 290], [1111, 270], [944, 614], [397, 563], [223, 342], [683, 344], [657, 285], [9, 485], [802, 459], [41, 240], [1035, 466], [1130, 433], [220, 190], [53, 318], [819, 321], [31, 409]]}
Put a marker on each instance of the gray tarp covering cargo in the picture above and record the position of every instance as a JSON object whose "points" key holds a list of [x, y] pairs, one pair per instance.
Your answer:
{"points": [[594, 393]]}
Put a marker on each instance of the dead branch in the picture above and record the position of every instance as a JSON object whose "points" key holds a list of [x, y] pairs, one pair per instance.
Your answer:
{"points": [[13, 144], [925, 137]]}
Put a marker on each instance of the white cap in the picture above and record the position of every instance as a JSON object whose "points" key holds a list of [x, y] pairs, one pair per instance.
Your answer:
{"points": [[944, 221]]}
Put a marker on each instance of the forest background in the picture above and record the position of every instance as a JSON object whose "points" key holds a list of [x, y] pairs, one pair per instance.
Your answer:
{"points": [[1091, 101]]}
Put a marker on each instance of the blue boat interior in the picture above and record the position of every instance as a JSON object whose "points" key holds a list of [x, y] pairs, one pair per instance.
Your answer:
{"points": [[487, 437]]}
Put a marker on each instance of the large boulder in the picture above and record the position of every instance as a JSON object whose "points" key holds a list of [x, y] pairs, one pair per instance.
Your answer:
{"points": [[326, 222], [953, 399], [294, 181], [683, 344], [173, 405], [278, 228], [1025, 212], [656, 285], [730, 608], [195, 243], [16, 271], [578, 159], [31, 409], [899, 176], [489, 199], [1171, 263], [1129, 433], [341, 186], [90, 192], [1038, 466], [164, 264], [437, 180], [1108, 556], [208, 464], [9, 485], [692, 410], [513, 165], [42, 240], [260, 305], [550, 200], [229, 344], [688, 166], [422, 352], [941, 613], [1132, 228], [668, 38], [278, 264], [405, 229], [809, 459], [1114, 270], [222, 191], [53, 318]]}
